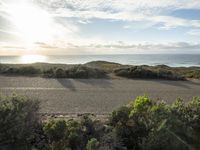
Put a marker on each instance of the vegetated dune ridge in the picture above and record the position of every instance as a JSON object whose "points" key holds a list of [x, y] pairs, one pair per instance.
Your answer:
{"points": [[100, 69]]}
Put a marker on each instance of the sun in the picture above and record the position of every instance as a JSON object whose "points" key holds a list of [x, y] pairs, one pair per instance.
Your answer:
{"points": [[31, 22], [27, 59]]}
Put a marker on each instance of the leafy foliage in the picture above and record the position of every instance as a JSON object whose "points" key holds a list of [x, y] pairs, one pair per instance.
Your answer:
{"points": [[147, 72], [18, 121], [92, 144], [144, 124], [79, 71], [25, 70], [156, 125], [194, 74], [100, 69]]}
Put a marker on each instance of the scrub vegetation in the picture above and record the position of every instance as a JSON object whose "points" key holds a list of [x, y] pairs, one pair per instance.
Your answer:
{"points": [[101, 69], [143, 124]]}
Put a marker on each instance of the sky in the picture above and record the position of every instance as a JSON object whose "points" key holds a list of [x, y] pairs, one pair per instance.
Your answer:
{"points": [[70, 27]]}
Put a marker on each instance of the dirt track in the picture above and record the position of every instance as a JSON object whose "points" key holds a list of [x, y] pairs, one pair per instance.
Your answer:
{"points": [[98, 96]]}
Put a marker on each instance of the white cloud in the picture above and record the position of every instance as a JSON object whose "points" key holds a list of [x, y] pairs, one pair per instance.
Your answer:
{"points": [[129, 10], [118, 47], [64, 31], [195, 32]]}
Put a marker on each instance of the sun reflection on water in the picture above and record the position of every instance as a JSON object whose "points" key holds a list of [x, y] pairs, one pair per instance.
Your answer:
{"points": [[27, 59]]}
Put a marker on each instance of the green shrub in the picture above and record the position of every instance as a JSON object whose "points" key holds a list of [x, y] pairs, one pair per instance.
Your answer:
{"points": [[60, 73], [193, 74], [29, 70], [56, 131], [120, 115], [49, 73], [81, 71], [25, 70], [156, 125], [92, 144], [18, 121], [78, 71], [144, 124], [147, 73], [11, 71], [69, 134]]}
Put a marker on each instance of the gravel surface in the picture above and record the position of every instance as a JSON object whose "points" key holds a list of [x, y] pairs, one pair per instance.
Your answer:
{"points": [[98, 96]]}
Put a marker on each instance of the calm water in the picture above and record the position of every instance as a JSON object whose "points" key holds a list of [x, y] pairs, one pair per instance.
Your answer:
{"points": [[136, 59]]}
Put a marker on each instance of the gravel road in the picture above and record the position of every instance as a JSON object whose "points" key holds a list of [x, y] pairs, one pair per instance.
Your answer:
{"points": [[98, 96]]}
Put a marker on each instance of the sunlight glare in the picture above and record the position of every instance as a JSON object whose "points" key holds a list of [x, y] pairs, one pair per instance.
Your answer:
{"points": [[27, 59], [32, 23]]}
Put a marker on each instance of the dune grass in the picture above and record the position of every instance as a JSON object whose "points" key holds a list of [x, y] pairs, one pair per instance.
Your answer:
{"points": [[100, 69]]}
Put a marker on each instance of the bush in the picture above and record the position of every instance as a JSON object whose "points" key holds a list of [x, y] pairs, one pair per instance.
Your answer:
{"points": [[56, 131], [81, 71], [29, 70], [135, 72], [72, 134], [147, 73], [194, 74], [156, 125], [18, 121], [26, 70], [60, 73], [144, 124], [49, 73], [120, 115], [92, 144]]}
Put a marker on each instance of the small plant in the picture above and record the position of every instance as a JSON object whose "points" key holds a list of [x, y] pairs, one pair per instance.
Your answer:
{"points": [[60, 73], [93, 144]]}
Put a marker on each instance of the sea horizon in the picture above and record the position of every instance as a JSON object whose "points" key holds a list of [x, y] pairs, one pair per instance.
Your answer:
{"points": [[173, 60]]}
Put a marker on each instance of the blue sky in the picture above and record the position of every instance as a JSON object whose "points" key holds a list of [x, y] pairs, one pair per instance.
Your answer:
{"points": [[99, 26]]}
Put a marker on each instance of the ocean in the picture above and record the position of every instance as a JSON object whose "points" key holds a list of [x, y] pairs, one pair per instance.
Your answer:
{"points": [[174, 60]]}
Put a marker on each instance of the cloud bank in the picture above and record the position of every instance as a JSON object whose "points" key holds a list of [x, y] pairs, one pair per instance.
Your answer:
{"points": [[69, 26]]}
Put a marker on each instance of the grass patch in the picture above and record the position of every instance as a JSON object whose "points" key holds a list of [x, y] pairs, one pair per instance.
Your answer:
{"points": [[194, 74]]}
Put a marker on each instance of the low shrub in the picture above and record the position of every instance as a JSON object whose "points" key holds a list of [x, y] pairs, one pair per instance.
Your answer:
{"points": [[156, 125], [49, 73], [18, 122], [79, 71], [147, 72], [144, 124], [193, 74], [93, 144], [60, 73], [56, 131], [25, 70]]}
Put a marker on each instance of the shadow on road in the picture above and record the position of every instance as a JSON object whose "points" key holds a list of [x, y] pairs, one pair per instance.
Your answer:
{"points": [[184, 84], [67, 83], [103, 83]]}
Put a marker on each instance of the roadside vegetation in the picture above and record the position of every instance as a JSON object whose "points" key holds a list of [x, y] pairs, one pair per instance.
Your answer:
{"points": [[72, 71], [143, 124], [101, 69]]}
